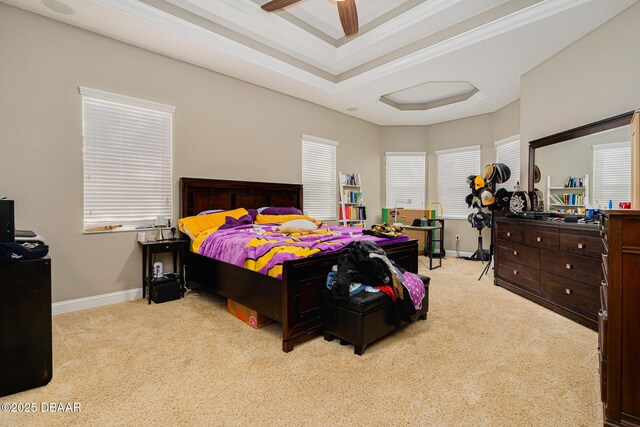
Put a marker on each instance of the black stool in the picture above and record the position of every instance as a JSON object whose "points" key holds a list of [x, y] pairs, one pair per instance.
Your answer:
{"points": [[364, 318]]}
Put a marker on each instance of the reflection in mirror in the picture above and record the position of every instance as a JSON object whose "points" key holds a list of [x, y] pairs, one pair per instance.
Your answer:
{"points": [[592, 171]]}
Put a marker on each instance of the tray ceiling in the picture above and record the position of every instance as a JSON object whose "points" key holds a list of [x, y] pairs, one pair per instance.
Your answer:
{"points": [[476, 49]]}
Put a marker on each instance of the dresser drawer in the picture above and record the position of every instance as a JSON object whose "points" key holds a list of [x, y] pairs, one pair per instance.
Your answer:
{"points": [[519, 274], [509, 231], [581, 245], [603, 378], [602, 333], [575, 267], [520, 254], [541, 237], [588, 293], [604, 297], [569, 291]]}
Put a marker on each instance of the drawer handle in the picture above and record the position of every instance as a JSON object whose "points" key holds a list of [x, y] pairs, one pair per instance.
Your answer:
{"points": [[569, 266], [539, 239], [516, 272], [508, 234], [568, 291], [515, 253], [580, 246]]}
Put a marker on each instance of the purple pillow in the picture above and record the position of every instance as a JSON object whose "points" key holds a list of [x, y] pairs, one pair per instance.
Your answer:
{"points": [[281, 211], [253, 213], [231, 222]]}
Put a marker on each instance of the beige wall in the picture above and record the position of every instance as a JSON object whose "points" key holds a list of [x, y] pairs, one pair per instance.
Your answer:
{"points": [[594, 78], [223, 128], [481, 130]]}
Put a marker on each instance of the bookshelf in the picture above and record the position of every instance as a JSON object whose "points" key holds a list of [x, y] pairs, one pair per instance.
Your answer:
{"points": [[572, 198], [353, 211]]}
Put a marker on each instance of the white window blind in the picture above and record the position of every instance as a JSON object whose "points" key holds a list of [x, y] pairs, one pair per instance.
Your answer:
{"points": [[453, 168], [611, 174], [319, 177], [405, 179], [508, 152], [127, 159]]}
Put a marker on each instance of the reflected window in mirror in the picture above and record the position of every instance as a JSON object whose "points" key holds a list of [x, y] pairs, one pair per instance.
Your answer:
{"points": [[508, 152], [611, 174], [586, 172]]}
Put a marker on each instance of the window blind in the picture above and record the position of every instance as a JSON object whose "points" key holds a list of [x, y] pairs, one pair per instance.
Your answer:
{"points": [[508, 152], [453, 168], [611, 174], [127, 159], [319, 177], [405, 179]]}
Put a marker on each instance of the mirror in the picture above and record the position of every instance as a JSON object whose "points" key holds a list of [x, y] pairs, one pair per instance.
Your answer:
{"points": [[582, 168]]}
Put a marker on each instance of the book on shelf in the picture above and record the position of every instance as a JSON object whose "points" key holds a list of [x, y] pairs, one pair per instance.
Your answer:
{"points": [[353, 213], [568, 199], [352, 196], [352, 179], [574, 182]]}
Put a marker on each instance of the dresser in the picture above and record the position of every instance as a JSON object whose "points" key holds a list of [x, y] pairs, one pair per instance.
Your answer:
{"points": [[619, 319], [25, 325], [554, 264]]}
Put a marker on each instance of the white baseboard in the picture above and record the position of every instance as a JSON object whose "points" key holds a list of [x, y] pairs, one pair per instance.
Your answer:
{"points": [[462, 254], [95, 301]]}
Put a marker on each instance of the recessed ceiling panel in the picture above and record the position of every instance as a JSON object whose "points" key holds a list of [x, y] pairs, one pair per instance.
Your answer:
{"points": [[430, 92], [429, 95]]}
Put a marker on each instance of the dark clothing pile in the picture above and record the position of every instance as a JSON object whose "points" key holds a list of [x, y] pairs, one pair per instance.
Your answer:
{"points": [[365, 262]]}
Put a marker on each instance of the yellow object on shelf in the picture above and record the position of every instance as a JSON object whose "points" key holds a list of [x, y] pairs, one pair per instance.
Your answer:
{"points": [[432, 211]]}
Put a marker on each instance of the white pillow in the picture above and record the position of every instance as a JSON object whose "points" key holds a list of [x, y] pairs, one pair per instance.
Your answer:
{"points": [[297, 226]]}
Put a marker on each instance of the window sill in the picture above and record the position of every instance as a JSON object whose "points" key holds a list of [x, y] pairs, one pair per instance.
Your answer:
{"points": [[126, 228]]}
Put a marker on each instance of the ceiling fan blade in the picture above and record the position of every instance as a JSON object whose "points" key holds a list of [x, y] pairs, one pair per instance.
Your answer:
{"points": [[275, 5], [348, 16]]}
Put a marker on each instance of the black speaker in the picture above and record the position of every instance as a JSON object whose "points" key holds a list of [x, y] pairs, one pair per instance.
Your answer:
{"points": [[7, 224], [165, 289]]}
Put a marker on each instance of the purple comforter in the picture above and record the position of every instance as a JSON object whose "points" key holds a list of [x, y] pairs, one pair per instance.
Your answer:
{"points": [[263, 249]]}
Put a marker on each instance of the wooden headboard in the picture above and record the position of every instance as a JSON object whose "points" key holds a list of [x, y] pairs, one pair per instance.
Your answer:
{"points": [[197, 195]]}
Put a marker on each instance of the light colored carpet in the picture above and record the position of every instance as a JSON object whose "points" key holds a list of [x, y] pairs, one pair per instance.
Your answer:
{"points": [[484, 357]]}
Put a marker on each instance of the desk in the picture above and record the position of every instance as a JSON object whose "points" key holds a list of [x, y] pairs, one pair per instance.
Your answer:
{"points": [[175, 247], [428, 230], [25, 325]]}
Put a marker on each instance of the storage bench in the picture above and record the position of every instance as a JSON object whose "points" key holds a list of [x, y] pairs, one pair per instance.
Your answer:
{"points": [[364, 318]]}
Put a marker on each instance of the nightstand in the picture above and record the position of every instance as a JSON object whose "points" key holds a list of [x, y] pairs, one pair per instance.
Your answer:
{"points": [[177, 249]]}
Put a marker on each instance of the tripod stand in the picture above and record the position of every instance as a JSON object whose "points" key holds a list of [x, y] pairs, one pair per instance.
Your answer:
{"points": [[486, 268], [480, 254]]}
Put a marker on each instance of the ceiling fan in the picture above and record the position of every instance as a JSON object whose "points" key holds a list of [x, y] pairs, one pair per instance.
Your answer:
{"points": [[346, 9]]}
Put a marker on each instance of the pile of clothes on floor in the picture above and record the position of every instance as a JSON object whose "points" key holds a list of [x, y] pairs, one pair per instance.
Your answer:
{"points": [[364, 267]]}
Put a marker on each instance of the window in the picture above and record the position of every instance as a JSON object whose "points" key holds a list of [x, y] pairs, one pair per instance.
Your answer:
{"points": [[319, 177], [405, 179], [454, 166], [127, 159], [611, 174], [508, 152]]}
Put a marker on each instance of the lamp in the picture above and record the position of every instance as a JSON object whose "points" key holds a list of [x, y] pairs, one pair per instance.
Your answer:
{"points": [[395, 209]]}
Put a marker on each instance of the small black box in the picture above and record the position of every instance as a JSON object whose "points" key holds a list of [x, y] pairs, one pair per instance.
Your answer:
{"points": [[165, 289], [7, 224]]}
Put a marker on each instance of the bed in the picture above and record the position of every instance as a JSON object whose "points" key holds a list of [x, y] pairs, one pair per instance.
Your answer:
{"points": [[294, 301]]}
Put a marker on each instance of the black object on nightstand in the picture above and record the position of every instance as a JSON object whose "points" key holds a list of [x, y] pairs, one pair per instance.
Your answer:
{"points": [[170, 286], [25, 325]]}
